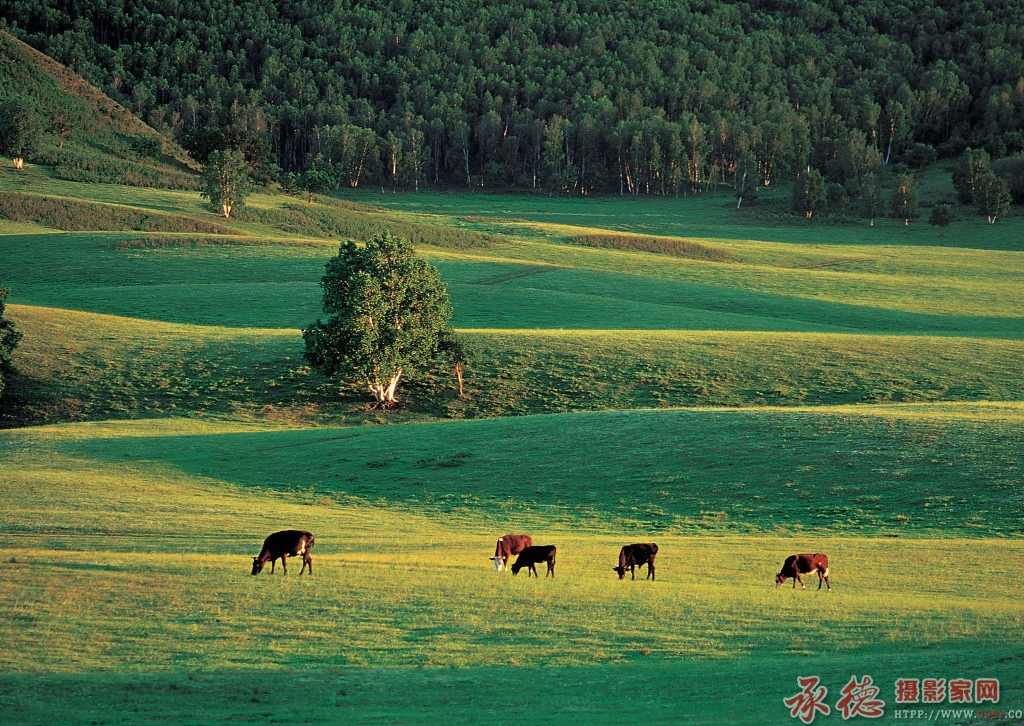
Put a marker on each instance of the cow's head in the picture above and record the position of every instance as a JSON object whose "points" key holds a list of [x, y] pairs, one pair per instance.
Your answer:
{"points": [[499, 563], [257, 565], [516, 567], [621, 570], [780, 580]]}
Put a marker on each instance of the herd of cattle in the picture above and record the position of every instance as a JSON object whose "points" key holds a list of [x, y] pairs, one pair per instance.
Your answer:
{"points": [[298, 543]]}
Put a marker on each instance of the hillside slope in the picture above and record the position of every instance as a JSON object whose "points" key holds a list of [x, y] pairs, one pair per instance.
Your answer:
{"points": [[106, 141]]}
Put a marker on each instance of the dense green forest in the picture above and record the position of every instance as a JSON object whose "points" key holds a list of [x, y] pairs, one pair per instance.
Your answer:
{"points": [[578, 96]]}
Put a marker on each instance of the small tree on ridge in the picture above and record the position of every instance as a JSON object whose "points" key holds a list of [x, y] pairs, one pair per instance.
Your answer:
{"points": [[226, 181], [20, 131]]}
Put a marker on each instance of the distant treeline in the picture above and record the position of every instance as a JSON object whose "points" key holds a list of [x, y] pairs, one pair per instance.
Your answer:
{"points": [[651, 96]]}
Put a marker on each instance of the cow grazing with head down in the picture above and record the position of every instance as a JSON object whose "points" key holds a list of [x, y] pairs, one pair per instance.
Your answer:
{"points": [[530, 556], [635, 555], [796, 565], [288, 543], [510, 544]]}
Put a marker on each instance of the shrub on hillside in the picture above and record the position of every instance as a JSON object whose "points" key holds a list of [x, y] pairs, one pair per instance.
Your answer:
{"points": [[9, 338], [167, 241], [69, 214], [74, 166], [660, 245], [146, 146]]}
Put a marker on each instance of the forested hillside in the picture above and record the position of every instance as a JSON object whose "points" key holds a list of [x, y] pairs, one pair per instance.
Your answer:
{"points": [[570, 95], [90, 138]]}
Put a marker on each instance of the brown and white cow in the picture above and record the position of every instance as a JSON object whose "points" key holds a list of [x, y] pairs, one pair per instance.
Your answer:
{"points": [[796, 565], [530, 556], [510, 544], [636, 555], [284, 544]]}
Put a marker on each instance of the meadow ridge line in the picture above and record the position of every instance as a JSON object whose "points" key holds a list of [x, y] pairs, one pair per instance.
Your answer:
{"points": [[307, 443], [508, 276], [831, 263]]}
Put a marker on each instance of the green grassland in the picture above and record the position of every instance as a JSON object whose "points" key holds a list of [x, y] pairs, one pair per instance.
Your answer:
{"points": [[127, 543], [802, 387]]}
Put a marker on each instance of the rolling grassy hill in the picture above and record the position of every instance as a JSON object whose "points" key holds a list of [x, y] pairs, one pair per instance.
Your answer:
{"points": [[732, 386], [100, 142]]}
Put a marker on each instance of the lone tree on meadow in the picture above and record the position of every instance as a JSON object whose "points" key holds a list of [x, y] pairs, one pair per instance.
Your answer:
{"points": [[871, 197], [941, 216], [904, 198], [389, 313], [319, 178], [226, 180], [809, 193], [20, 131], [9, 338], [991, 196]]}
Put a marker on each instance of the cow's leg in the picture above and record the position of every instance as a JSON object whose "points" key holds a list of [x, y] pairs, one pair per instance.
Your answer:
{"points": [[551, 569], [273, 563], [284, 563], [827, 583], [650, 570], [802, 585], [533, 569], [820, 578], [306, 561]]}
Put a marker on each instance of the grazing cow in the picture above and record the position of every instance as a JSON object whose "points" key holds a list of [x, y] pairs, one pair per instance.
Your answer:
{"points": [[796, 565], [530, 556], [635, 555], [289, 543], [510, 544]]}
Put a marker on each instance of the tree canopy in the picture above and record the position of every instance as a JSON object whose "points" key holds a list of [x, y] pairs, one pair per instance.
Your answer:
{"points": [[226, 181], [576, 96], [20, 130], [388, 317], [9, 338]]}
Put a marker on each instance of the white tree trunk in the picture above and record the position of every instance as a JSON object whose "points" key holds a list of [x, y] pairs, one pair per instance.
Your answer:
{"points": [[384, 393]]}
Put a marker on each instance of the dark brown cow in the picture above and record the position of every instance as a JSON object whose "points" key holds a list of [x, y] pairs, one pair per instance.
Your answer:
{"points": [[288, 543], [635, 555], [530, 556], [510, 544], [796, 565]]}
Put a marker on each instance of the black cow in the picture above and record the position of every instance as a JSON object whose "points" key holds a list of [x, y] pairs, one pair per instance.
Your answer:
{"points": [[505, 547], [289, 543], [635, 555], [796, 565], [530, 556]]}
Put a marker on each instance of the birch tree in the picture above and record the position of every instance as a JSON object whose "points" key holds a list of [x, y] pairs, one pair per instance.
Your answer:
{"points": [[389, 313]]}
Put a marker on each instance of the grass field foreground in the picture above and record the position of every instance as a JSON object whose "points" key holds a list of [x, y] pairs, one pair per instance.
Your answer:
{"points": [[129, 551]]}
